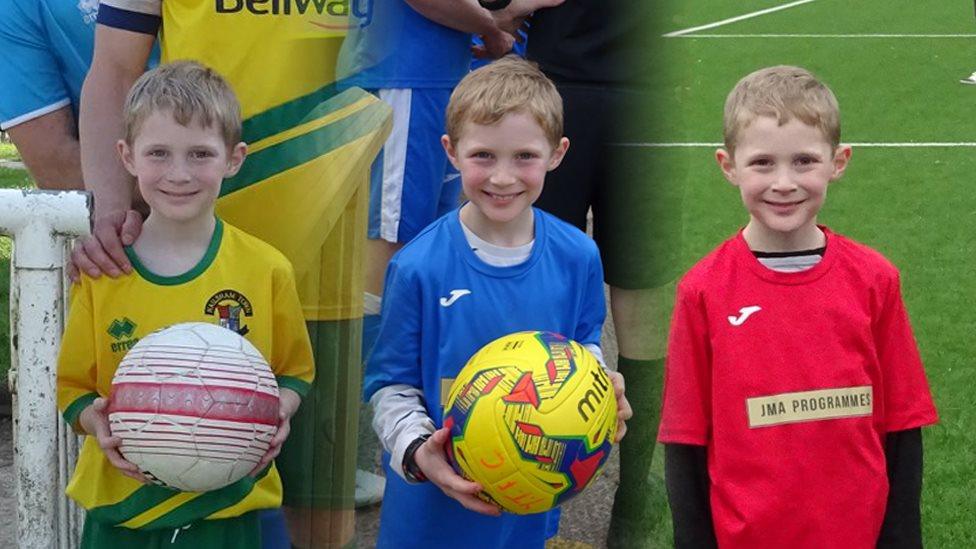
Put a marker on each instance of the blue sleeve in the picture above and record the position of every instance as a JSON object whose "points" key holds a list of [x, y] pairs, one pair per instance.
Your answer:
{"points": [[593, 307], [396, 355], [32, 82]]}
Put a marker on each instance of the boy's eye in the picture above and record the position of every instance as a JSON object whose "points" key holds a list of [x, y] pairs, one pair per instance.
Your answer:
{"points": [[482, 154], [156, 153], [805, 160], [201, 154], [525, 156], [761, 162]]}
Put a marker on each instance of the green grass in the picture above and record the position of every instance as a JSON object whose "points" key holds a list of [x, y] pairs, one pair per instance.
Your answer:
{"points": [[8, 152], [911, 204]]}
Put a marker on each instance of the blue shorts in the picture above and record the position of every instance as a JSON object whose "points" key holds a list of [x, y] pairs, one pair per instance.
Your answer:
{"points": [[411, 182]]}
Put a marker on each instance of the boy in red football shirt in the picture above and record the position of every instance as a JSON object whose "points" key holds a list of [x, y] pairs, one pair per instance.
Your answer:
{"points": [[794, 392]]}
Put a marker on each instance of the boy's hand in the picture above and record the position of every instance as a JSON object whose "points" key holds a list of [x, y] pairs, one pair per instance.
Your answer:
{"points": [[94, 421], [623, 407], [288, 402], [103, 252], [431, 459]]}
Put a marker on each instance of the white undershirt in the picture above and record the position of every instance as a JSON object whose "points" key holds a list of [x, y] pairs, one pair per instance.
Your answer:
{"points": [[494, 255]]}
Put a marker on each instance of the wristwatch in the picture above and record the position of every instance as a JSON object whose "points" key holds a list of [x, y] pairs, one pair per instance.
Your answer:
{"points": [[494, 5], [410, 468]]}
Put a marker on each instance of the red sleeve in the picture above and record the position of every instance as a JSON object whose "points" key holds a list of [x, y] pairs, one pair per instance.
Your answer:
{"points": [[687, 407], [905, 392]]}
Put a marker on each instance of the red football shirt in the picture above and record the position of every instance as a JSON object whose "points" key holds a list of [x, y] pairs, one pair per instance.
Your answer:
{"points": [[791, 381]]}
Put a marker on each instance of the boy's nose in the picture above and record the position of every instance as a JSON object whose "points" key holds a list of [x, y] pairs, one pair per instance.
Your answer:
{"points": [[178, 172], [783, 182], [503, 176]]}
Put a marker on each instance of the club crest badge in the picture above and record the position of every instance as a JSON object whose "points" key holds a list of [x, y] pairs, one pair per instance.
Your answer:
{"points": [[229, 306]]}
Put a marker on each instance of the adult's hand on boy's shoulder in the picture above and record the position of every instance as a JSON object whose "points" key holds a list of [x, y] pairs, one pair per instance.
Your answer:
{"points": [[431, 459], [624, 412], [94, 421], [288, 403], [103, 252]]}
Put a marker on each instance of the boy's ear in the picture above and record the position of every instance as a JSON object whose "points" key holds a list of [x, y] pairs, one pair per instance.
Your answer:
{"points": [[558, 154], [125, 153], [842, 156], [727, 164], [235, 159], [449, 150]]}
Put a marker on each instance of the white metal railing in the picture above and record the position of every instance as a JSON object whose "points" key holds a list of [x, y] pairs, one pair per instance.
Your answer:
{"points": [[40, 222]]}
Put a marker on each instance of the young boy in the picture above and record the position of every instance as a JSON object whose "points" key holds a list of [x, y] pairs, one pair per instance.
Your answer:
{"points": [[794, 392], [492, 267], [182, 138]]}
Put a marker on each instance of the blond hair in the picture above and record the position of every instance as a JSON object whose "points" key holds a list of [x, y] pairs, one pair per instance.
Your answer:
{"points": [[189, 91], [782, 92], [509, 85]]}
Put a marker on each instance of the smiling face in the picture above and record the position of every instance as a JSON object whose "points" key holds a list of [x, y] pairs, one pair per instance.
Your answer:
{"points": [[503, 167], [180, 168], [782, 172]]}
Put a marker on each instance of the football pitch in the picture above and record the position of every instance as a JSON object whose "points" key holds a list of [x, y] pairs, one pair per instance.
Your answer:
{"points": [[895, 68]]}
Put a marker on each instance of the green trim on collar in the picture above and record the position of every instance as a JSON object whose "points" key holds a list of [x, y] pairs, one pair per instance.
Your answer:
{"points": [[197, 270]]}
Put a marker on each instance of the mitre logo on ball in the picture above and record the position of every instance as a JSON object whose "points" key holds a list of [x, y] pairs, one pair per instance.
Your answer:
{"points": [[532, 417], [196, 406]]}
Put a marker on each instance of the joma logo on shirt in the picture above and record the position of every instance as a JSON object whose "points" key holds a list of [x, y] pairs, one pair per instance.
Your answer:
{"points": [[809, 406]]}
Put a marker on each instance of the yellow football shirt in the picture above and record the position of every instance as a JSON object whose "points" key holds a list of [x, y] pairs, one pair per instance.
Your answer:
{"points": [[242, 283]]}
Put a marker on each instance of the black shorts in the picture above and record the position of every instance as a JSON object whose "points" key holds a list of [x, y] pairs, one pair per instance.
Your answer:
{"points": [[636, 211]]}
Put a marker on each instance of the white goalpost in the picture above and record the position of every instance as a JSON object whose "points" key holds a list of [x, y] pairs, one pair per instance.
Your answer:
{"points": [[45, 449]]}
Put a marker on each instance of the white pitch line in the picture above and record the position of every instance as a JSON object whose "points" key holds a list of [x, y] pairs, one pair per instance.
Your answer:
{"points": [[737, 18], [826, 36], [907, 144]]}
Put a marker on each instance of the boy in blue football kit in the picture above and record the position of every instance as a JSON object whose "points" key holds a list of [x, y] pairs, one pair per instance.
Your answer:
{"points": [[492, 267], [411, 57]]}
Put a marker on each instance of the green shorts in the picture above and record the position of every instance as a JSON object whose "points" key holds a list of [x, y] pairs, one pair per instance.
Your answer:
{"points": [[243, 532], [318, 461]]}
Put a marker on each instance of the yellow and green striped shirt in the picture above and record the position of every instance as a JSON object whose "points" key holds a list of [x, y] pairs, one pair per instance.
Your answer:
{"points": [[238, 273]]}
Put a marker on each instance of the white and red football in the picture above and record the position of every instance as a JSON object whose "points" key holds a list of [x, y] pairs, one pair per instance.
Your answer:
{"points": [[196, 406]]}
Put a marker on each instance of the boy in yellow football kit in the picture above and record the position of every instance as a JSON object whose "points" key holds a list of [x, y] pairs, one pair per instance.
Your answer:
{"points": [[182, 138], [303, 190]]}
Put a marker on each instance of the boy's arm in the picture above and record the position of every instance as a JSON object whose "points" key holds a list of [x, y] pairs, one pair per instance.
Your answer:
{"points": [[78, 399], [593, 305], [686, 409], [907, 400], [291, 358], [393, 378], [291, 354], [589, 328], [688, 484], [77, 374], [902, 527], [908, 406], [396, 363], [399, 418]]}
